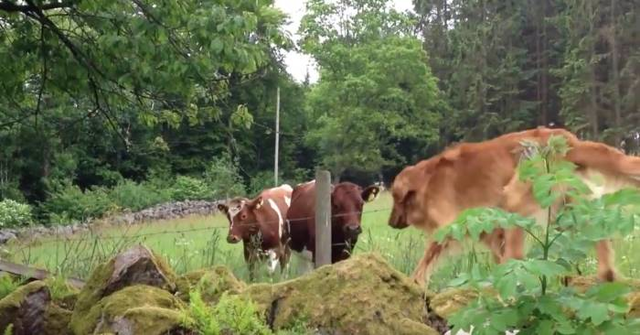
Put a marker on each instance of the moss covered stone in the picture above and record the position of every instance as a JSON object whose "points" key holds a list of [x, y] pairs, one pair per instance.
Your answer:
{"points": [[446, 303], [137, 265], [57, 320], [361, 295], [25, 309], [138, 309]]}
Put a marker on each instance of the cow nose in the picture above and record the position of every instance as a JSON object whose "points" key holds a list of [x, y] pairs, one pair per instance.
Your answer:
{"points": [[353, 229], [232, 239]]}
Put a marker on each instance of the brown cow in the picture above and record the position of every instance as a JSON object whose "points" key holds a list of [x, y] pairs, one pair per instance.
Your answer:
{"points": [[259, 224], [347, 201], [432, 193]]}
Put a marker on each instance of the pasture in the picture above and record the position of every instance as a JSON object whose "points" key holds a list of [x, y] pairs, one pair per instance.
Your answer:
{"points": [[198, 242]]}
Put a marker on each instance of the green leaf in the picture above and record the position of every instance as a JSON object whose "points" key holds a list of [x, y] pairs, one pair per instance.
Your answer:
{"points": [[608, 292], [597, 312], [544, 268], [545, 327]]}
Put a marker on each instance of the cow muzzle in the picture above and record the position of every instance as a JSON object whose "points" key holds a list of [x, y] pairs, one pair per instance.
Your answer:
{"points": [[352, 230], [398, 221], [233, 239]]}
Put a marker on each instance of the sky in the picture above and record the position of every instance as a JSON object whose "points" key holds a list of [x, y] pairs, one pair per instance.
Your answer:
{"points": [[297, 63]]}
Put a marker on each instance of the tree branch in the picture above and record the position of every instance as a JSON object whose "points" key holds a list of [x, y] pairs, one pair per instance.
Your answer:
{"points": [[31, 7]]}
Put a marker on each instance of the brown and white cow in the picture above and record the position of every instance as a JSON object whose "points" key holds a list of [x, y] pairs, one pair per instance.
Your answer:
{"points": [[347, 201], [432, 193], [259, 224]]}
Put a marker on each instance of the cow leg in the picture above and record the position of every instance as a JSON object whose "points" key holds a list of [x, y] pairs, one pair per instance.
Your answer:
{"points": [[514, 244], [495, 242], [432, 253], [250, 258], [273, 260], [285, 255], [605, 254]]}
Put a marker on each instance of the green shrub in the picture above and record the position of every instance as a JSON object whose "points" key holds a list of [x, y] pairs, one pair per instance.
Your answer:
{"points": [[69, 202], [7, 286], [231, 315], [529, 297], [189, 188], [14, 214], [223, 178], [137, 196]]}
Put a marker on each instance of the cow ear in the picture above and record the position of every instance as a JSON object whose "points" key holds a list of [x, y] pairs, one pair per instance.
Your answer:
{"points": [[370, 193], [257, 204], [223, 208]]}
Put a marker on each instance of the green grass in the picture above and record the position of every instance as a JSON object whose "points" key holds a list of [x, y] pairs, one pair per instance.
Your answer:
{"points": [[197, 242]]}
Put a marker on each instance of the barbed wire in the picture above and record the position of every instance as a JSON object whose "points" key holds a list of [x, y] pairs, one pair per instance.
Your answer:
{"points": [[52, 240]]}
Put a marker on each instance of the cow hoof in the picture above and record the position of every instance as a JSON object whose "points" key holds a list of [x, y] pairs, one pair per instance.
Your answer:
{"points": [[607, 276]]}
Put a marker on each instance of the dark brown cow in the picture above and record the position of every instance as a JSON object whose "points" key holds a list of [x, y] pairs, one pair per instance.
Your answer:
{"points": [[347, 201], [259, 224]]}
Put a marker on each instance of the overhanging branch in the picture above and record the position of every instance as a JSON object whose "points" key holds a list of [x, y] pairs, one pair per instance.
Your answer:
{"points": [[30, 7]]}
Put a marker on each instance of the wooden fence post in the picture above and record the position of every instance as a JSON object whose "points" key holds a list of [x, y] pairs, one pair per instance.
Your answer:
{"points": [[323, 218]]}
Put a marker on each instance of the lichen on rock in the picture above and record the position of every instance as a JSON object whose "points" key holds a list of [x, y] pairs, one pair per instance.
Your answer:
{"points": [[137, 265], [361, 295], [138, 309]]}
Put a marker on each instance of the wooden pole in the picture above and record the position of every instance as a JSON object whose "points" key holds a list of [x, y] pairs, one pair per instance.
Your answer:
{"points": [[275, 167], [323, 218]]}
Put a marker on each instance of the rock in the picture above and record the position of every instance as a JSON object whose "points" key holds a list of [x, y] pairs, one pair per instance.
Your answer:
{"points": [[212, 283], [137, 265], [7, 236], [138, 309], [634, 304], [450, 301], [25, 309], [361, 295], [57, 321]]}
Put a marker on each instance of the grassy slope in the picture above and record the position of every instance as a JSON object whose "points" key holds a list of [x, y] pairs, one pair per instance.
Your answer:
{"points": [[198, 242]]}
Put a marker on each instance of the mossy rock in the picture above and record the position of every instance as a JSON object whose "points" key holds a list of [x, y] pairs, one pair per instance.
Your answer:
{"points": [[138, 309], [634, 304], [137, 265], [25, 309], [583, 283], [57, 320], [212, 283], [361, 295], [62, 293], [448, 302]]}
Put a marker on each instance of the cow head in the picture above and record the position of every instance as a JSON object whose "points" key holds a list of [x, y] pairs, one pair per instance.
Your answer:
{"points": [[243, 222], [347, 200], [406, 205]]}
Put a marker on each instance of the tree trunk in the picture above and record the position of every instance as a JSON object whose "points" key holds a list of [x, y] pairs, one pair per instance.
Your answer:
{"points": [[616, 76]]}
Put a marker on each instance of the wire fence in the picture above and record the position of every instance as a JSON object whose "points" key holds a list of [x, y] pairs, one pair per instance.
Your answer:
{"points": [[56, 238]]}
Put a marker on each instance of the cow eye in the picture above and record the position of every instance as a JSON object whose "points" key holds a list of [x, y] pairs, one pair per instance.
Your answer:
{"points": [[243, 216]]}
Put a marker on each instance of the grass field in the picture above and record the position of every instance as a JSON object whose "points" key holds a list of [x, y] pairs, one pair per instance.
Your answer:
{"points": [[198, 242]]}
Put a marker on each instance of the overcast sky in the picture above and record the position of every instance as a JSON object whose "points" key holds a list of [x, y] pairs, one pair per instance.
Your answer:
{"points": [[297, 64]]}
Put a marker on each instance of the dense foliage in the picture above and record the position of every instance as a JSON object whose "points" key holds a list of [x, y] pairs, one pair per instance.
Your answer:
{"points": [[110, 100]]}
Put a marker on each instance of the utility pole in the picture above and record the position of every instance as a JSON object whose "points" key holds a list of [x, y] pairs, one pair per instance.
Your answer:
{"points": [[275, 163]]}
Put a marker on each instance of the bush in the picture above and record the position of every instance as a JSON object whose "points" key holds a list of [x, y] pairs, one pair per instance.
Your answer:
{"points": [[137, 196], [7, 285], [69, 202], [189, 188], [13, 214], [223, 178], [231, 315]]}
